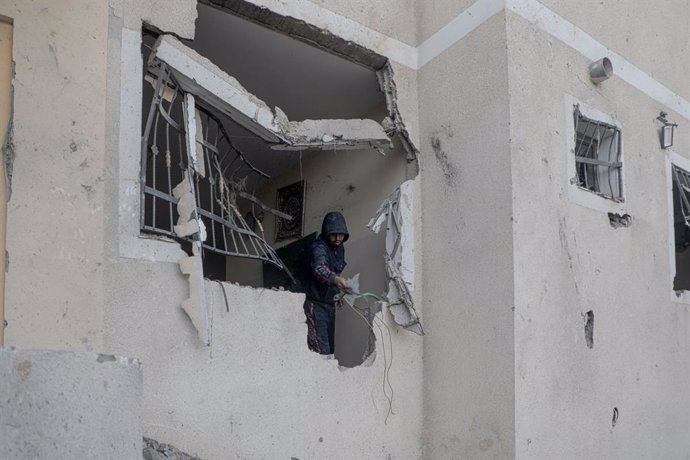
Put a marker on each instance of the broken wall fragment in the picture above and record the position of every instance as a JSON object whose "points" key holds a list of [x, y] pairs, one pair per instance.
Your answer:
{"points": [[196, 306], [397, 213], [206, 93], [188, 224]]}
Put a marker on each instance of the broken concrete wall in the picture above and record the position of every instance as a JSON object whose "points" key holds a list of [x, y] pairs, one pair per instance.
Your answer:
{"points": [[397, 215], [570, 261], [351, 31], [354, 182], [78, 195], [54, 295], [257, 391], [467, 248], [69, 405]]}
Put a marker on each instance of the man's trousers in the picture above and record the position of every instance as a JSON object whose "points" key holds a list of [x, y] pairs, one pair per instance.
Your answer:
{"points": [[320, 326]]}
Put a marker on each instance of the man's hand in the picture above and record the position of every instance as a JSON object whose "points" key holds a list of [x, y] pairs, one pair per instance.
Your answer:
{"points": [[341, 283]]}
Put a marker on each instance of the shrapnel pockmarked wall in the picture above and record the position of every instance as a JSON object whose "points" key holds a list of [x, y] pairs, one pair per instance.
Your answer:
{"points": [[507, 266]]}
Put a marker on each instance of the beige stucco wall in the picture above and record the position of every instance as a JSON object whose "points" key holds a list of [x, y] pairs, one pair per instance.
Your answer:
{"points": [[467, 248], [506, 264], [54, 293], [569, 260], [256, 391], [63, 404], [433, 16], [655, 39]]}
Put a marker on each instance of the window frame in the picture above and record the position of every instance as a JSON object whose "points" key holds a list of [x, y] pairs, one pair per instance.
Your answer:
{"points": [[577, 193], [674, 159], [590, 159]]}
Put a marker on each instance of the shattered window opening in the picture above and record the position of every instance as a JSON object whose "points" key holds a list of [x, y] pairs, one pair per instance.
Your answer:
{"points": [[598, 157], [681, 227], [171, 159], [303, 150]]}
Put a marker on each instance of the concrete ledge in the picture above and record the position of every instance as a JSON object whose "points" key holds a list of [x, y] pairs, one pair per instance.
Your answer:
{"points": [[59, 404], [199, 76]]}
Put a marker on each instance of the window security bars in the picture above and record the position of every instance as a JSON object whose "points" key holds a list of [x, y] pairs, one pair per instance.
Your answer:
{"points": [[598, 157], [209, 160]]}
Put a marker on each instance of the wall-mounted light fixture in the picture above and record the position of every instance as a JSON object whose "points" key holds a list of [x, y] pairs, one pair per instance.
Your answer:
{"points": [[667, 131], [600, 70]]}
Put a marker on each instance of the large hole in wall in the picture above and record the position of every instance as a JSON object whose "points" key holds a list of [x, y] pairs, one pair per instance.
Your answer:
{"points": [[306, 83]]}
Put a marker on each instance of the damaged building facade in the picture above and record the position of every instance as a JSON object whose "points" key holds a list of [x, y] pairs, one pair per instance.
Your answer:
{"points": [[522, 213]]}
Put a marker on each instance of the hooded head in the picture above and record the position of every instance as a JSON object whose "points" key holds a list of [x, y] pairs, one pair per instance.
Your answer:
{"points": [[334, 223]]}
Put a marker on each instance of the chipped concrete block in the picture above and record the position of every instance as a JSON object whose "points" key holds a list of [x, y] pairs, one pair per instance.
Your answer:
{"points": [[329, 134], [188, 228], [60, 404], [187, 222], [195, 306]]}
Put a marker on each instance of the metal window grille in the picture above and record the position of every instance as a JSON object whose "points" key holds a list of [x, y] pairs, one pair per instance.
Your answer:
{"points": [[598, 157], [169, 155]]}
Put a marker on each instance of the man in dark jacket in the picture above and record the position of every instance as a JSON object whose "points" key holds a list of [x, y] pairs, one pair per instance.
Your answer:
{"points": [[326, 263]]}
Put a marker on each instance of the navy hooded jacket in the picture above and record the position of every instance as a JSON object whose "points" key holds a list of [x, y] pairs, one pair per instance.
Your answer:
{"points": [[325, 261]]}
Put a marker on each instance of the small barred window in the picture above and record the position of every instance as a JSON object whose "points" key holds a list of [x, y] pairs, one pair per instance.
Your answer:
{"points": [[598, 157]]}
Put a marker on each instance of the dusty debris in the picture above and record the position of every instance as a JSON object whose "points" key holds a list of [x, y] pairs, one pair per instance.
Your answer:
{"points": [[395, 210], [154, 450]]}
